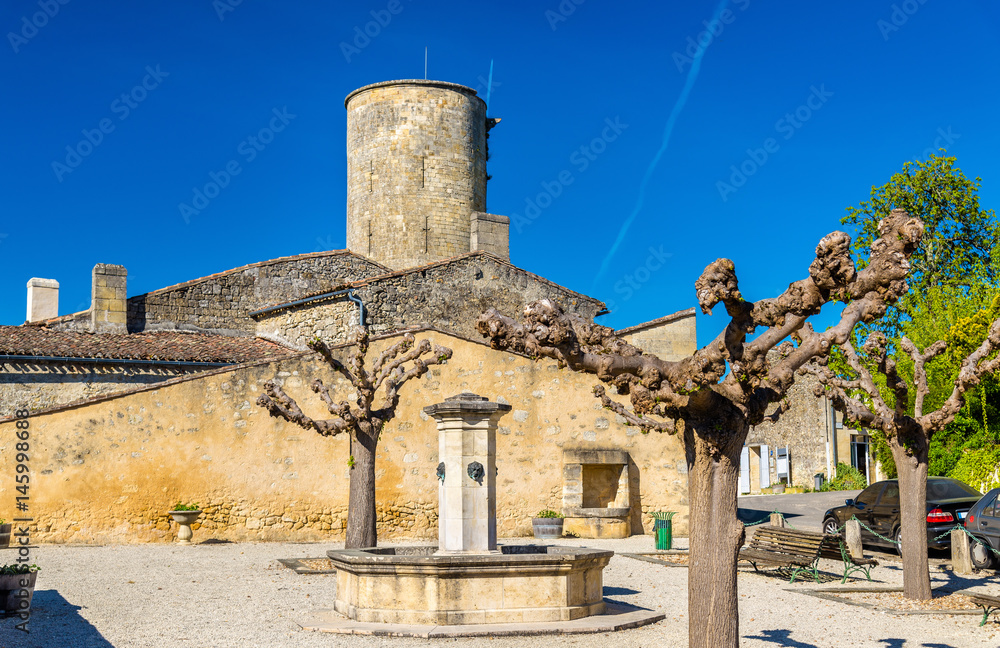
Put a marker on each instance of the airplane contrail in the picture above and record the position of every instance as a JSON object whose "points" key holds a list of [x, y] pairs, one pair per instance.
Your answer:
{"points": [[692, 76]]}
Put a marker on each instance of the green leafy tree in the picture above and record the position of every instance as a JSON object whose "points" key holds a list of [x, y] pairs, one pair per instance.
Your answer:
{"points": [[959, 239], [955, 270]]}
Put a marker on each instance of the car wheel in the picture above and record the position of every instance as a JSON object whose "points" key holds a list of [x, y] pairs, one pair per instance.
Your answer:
{"points": [[982, 557], [899, 541], [830, 526]]}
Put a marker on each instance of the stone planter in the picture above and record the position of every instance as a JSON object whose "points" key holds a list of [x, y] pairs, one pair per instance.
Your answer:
{"points": [[5, 535], [16, 591], [185, 519], [778, 489], [547, 528]]}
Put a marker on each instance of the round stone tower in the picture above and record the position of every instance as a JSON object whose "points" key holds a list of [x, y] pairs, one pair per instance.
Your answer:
{"points": [[416, 170]]}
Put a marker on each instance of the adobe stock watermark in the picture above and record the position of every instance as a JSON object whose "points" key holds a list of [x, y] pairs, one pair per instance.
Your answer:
{"points": [[562, 12], [632, 283], [222, 7], [696, 45], [364, 34], [944, 139], [248, 149], [581, 158], [898, 17], [122, 107], [38, 20], [787, 127]]}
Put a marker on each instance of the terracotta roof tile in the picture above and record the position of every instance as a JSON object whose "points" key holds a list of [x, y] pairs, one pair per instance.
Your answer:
{"points": [[172, 346]]}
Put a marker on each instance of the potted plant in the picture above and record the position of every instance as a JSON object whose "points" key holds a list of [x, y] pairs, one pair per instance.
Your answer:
{"points": [[17, 586], [185, 515], [547, 525], [4, 533]]}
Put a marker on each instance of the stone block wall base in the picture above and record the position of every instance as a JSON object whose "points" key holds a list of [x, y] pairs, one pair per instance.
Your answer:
{"points": [[523, 584], [598, 527], [615, 617], [467, 617]]}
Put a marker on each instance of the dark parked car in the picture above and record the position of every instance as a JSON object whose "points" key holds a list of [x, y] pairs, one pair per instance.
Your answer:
{"points": [[983, 522], [948, 502]]}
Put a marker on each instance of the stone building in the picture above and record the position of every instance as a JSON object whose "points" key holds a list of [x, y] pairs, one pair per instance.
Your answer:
{"points": [[808, 439], [144, 400]]}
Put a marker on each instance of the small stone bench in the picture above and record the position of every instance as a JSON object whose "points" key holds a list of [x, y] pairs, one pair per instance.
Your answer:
{"points": [[989, 604]]}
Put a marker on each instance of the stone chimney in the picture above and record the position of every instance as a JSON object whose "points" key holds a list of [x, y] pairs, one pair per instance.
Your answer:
{"points": [[491, 233], [43, 299], [108, 309]]}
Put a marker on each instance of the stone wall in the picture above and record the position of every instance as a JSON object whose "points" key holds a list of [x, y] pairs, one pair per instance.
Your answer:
{"points": [[804, 429], [416, 170], [452, 295], [331, 320], [669, 338], [449, 295], [107, 472], [221, 303], [107, 310], [491, 233]]}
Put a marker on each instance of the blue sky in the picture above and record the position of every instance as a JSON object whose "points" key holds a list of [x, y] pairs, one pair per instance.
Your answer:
{"points": [[815, 102]]}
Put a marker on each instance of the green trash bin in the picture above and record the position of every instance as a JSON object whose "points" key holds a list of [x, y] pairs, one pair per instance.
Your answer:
{"points": [[663, 528]]}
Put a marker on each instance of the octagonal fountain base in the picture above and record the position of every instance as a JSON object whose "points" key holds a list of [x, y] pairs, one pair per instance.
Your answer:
{"points": [[517, 584]]}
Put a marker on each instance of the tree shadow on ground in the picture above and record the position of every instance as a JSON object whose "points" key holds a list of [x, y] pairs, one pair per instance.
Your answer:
{"points": [[54, 621], [780, 637], [749, 515], [957, 582], [900, 643]]}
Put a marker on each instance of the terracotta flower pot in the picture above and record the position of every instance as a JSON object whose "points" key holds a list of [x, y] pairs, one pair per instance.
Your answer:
{"points": [[185, 519]]}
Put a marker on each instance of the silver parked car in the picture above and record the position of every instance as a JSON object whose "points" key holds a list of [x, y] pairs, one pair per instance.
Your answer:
{"points": [[983, 521]]}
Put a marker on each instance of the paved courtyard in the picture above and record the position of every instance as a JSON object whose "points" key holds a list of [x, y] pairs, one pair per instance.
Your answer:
{"points": [[222, 595]]}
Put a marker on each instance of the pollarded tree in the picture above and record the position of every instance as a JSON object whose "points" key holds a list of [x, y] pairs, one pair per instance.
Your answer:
{"points": [[715, 395], [364, 422], [909, 435]]}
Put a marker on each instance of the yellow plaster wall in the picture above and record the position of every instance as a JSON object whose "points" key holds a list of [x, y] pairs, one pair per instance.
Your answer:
{"points": [[107, 472]]}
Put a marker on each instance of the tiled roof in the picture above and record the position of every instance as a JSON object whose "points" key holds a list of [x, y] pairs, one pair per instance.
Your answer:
{"points": [[173, 346]]}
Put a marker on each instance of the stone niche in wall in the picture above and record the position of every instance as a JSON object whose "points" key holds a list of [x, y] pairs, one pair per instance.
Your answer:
{"points": [[596, 493]]}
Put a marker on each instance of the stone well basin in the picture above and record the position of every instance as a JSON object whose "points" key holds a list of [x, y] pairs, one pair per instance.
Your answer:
{"points": [[517, 584]]}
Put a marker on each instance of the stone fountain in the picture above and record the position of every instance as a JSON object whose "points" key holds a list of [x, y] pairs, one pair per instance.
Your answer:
{"points": [[468, 578]]}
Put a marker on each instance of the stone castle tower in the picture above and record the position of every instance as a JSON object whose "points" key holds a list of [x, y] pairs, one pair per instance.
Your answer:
{"points": [[416, 174]]}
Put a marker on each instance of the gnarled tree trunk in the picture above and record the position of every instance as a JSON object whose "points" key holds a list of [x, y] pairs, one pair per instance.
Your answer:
{"points": [[912, 469], [716, 534], [361, 501]]}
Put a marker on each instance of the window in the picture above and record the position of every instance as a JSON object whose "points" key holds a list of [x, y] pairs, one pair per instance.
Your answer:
{"points": [[869, 495], [990, 509], [891, 495], [942, 489]]}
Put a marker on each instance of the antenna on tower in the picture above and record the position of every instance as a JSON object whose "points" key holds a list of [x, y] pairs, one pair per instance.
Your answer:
{"points": [[489, 86], [425, 63]]}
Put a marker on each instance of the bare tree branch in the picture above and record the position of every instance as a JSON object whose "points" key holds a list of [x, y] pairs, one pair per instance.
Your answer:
{"points": [[280, 405]]}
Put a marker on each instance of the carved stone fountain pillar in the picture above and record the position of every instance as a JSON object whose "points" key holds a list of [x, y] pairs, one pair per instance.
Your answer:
{"points": [[467, 502]]}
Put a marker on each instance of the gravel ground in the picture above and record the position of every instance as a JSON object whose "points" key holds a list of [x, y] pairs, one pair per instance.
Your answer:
{"points": [[228, 595]]}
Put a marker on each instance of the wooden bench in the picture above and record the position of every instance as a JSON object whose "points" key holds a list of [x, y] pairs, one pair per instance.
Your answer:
{"points": [[801, 550], [989, 604]]}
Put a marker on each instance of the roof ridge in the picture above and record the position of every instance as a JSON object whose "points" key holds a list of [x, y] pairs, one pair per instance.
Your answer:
{"points": [[420, 268]]}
